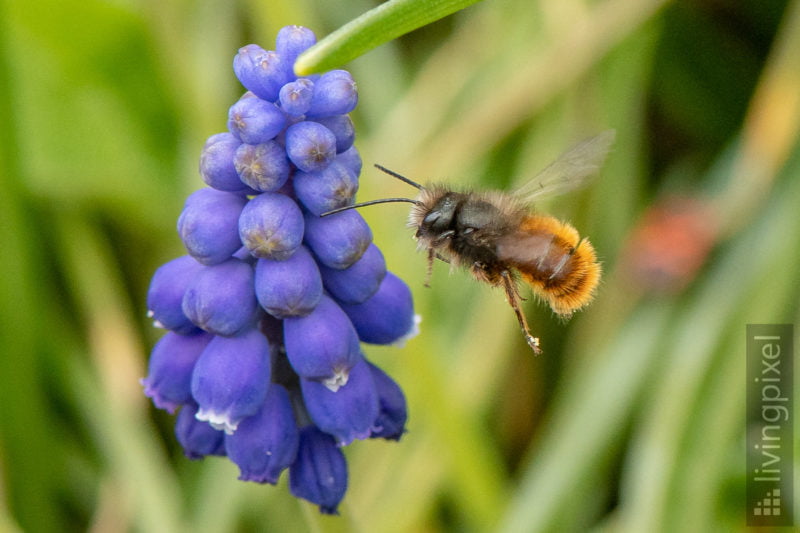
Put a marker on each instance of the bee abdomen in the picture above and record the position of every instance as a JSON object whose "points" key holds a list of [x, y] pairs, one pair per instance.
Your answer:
{"points": [[561, 268], [574, 286]]}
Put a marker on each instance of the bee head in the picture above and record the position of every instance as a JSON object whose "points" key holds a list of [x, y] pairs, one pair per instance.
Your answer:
{"points": [[439, 218]]}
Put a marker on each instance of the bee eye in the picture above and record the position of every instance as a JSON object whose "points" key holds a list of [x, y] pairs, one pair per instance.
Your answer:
{"points": [[432, 217]]}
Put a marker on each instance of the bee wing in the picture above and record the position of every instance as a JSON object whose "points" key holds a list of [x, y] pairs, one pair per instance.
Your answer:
{"points": [[570, 171]]}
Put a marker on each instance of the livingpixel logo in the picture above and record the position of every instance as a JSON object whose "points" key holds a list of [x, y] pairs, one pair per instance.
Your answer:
{"points": [[770, 424]]}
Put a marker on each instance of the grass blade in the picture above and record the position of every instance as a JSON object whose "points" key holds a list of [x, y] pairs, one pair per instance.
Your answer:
{"points": [[375, 27]]}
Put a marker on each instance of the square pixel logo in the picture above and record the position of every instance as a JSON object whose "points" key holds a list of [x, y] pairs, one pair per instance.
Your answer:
{"points": [[769, 505]]}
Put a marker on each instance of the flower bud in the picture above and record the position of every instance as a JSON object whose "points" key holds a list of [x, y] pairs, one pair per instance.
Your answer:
{"points": [[348, 413], [311, 146], [292, 287], [220, 298], [230, 379], [388, 316], [342, 128], [335, 93], [358, 282], [338, 240], [169, 376], [292, 41], [351, 159], [209, 225], [197, 438], [260, 71], [216, 163], [255, 121], [264, 167], [322, 346], [165, 296], [266, 443], [326, 189], [271, 226], [319, 474], [391, 421], [295, 97]]}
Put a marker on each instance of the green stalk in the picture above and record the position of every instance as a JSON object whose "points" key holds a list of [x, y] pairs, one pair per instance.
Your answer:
{"points": [[375, 27]]}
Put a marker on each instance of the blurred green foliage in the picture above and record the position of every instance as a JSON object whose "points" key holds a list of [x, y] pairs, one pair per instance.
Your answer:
{"points": [[632, 420]]}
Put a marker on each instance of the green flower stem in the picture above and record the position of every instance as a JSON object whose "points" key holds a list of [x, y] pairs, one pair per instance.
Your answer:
{"points": [[375, 27]]}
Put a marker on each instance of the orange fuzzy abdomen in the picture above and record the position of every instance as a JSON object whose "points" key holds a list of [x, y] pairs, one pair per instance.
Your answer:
{"points": [[550, 256]]}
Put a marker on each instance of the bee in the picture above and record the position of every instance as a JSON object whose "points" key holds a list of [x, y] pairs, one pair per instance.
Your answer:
{"points": [[501, 240]]}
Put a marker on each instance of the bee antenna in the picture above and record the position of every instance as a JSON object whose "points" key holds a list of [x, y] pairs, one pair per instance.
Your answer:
{"points": [[371, 202], [399, 176], [382, 200]]}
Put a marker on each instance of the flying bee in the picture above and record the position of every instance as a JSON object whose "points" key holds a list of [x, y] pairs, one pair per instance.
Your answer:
{"points": [[499, 238]]}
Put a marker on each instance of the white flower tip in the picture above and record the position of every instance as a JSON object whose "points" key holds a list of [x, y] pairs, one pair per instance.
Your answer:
{"points": [[413, 332], [149, 391], [219, 421], [338, 380]]}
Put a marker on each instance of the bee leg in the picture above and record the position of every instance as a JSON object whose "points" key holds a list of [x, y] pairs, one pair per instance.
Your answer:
{"points": [[429, 272], [442, 237], [433, 255], [513, 299]]}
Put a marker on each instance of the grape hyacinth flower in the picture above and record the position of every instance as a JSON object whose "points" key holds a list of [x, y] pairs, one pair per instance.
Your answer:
{"points": [[267, 313]]}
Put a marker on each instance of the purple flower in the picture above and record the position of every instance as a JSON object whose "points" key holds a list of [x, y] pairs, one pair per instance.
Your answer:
{"points": [[351, 159], [358, 282], [165, 296], [335, 93], [391, 421], [269, 280], [264, 167], [271, 226], [254, 121], [260, 71], [220, 298], [169, 376], [342, 128], [197, 438], [266, 443], [338, 240], [209, 225], [319, 474], [326, 189], [216, 163], [310, 145], [292, 287], [322, 346], [231, 378], [295, 97], [388, 316], [348, 413], [292, 41]]}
